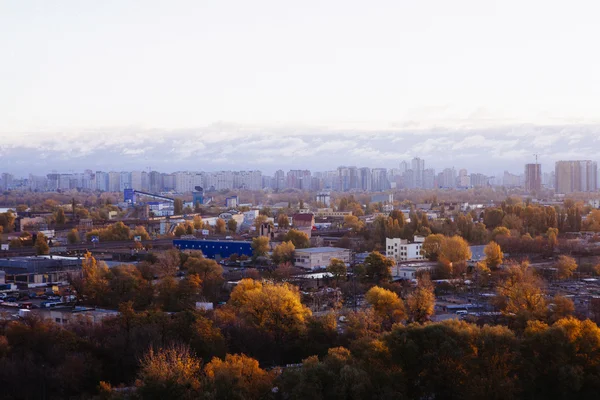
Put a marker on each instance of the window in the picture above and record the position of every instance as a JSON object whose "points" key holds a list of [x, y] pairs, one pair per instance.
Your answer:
{"points": [[57, 320]]}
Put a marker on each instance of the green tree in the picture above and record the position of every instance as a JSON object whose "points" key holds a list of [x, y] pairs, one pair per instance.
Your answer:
{"points": [[260, 246], [378, 267], [338, 269], [232, 225], [298, 238]]}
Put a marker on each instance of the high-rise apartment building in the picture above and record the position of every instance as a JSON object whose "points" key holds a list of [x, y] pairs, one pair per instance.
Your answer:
{"points": [[380, 180], [533, 178], [101, 181], [365, 180], [576, 176], [418, 166]]}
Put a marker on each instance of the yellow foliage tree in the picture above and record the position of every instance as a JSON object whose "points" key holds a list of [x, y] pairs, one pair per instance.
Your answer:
{"points": [[283, 253], [493, 255], [565, 266], [273, 308], [387, 305], [171, 372], [421, 302], [237, 377], [521, 292]]}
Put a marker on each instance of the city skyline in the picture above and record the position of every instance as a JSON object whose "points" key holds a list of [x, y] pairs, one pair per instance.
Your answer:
{"points": [[409, 175]]}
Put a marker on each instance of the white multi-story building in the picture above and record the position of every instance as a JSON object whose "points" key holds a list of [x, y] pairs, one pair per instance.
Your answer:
{"points": [[402, 250]]}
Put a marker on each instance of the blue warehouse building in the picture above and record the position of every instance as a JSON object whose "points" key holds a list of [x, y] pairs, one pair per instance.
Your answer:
{"points": [[215, 249]]}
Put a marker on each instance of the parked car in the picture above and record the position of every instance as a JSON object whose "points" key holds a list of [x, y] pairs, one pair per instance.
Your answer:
{"points": [[10, 299]]}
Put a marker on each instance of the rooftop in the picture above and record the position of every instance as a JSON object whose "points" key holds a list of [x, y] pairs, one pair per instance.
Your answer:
{"points": [[321, 250]]}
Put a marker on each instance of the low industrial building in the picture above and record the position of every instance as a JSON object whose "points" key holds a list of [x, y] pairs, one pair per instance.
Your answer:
{"points": [[319, 257], [410, 271], [215, 249], [39, 269], [69, 314]]}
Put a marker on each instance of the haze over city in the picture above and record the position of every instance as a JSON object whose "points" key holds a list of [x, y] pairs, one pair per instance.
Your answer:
{"points": [[194, 86]]}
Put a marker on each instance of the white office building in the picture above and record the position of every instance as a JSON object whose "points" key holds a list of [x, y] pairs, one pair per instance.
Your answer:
{"points": [[402, 250]]}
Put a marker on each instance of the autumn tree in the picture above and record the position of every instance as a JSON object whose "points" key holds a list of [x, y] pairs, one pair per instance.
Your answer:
{"points": [[283, 253], [421, 302], [454, 253], [179, 230], [210, 273], [378, 267], [387, 305], [221, 226], [60, 216], [171, 372], [237, 377], [177, 295], [552, 235], [432, 246], [167, 263], [500, 232], [521, 292], [232, 225], [493, 255], [258, 221], [272, 308], [260, 246], [560, 307], [298, 238], [353, 222], [41, 244], [565, 267], [73, 236], [178, 207], [197, 222], [7, 221], [283, 221], [338, 269]]}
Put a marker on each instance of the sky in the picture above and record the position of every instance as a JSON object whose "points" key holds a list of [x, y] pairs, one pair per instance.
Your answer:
{"points": [[187, 85]]}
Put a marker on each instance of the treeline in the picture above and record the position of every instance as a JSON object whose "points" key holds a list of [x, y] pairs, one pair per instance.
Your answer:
{"points": [[154, 355]]}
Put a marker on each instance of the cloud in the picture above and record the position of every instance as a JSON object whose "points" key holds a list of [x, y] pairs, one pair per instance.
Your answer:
{"points": [[234, 146]]}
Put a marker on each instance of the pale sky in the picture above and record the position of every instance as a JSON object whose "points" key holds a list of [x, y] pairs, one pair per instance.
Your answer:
{"points": [[68, 67]]}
